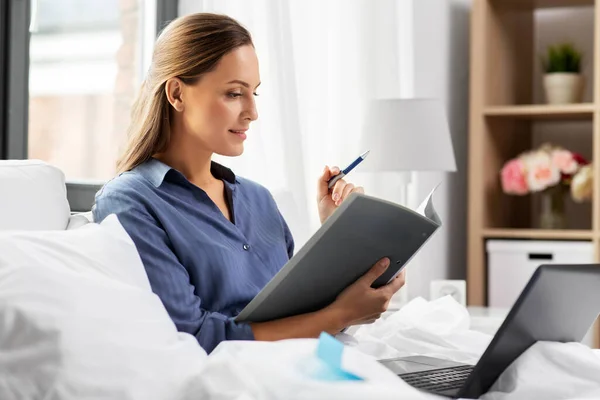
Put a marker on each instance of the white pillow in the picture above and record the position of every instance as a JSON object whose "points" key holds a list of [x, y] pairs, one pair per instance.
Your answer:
{"points": [[78, 320], [33, 196]]}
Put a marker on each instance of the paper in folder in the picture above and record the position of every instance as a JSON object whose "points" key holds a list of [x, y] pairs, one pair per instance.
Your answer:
{"points": [[360, 232]]}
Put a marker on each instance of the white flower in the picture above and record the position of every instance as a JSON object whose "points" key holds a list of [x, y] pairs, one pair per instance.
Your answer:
{"points": [[583, 184], [564, 161], [541, 172]]}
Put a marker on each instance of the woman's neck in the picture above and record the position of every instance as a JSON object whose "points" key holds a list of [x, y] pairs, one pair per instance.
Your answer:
{"points": [[187, 158]]}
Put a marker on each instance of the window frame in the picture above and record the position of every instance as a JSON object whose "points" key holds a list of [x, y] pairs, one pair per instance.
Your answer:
{"points": [[15, 16]]}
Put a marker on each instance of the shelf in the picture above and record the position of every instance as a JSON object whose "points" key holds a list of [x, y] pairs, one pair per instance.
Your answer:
{"points": [[565, 234], [534, 4], [543, 111]]}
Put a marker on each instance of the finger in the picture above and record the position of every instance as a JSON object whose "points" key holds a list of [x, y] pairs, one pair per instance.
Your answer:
{"points": [[387, 303], [373, 318], [347, 190], [323, 181], [359, 189], [396, 283], [376, 271], [322, 186], [338, 190]]}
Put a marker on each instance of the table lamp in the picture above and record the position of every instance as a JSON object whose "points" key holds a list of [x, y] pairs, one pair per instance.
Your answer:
{"points": [[406, 136]]}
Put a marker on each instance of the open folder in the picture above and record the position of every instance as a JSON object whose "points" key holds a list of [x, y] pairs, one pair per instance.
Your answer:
{"points": [[360, 232]]}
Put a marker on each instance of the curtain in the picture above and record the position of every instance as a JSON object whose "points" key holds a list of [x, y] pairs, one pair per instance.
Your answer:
{"points": [[320, 62]]}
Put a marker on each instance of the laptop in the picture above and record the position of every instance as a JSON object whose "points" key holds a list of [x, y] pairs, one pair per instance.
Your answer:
{"points": [[559, 304]]}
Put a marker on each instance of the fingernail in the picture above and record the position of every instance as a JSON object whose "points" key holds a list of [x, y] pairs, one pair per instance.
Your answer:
{"points": [[336, 197], [385, 262]]}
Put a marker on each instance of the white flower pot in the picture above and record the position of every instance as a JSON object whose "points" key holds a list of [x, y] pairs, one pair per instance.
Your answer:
{"points": [[563, 88]]}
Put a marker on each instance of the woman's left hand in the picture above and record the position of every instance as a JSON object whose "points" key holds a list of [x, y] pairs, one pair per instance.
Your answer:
{"points": [[327, 201]]}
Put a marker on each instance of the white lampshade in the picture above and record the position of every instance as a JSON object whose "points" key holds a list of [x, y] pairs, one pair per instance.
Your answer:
{"points": [[407, 135]]}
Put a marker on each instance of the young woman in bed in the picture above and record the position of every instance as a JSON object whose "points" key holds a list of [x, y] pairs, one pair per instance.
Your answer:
{"points": [[209, 239]]}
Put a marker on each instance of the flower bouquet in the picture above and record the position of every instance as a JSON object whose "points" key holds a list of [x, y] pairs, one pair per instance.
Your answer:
{"points": [[552, 171]]}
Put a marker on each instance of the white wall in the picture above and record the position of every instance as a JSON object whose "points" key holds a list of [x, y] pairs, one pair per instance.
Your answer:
{"points": [[441, 69]]}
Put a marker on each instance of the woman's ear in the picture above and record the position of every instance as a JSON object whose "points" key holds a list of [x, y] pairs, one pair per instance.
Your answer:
{"points": [[173, 89]]}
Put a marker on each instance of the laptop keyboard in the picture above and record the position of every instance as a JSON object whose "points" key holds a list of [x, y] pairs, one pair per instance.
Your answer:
{"points": [[439, 379]]}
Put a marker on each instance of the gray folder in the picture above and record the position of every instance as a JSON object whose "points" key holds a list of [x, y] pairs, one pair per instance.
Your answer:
{"points": [[361, 231]]}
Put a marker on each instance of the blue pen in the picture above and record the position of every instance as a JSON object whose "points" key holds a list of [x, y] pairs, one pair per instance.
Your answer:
{"points": [[349, 168]]}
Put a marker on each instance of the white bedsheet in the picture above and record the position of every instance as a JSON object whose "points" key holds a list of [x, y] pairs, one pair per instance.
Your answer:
{"points": [[80, 322], [441, 329], [262, 370], [551, 371]]}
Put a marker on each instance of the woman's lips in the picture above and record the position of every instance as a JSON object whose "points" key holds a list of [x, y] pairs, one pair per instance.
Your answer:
{"points": [[240, 133]]}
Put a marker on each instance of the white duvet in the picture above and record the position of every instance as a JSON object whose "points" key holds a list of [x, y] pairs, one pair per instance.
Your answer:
{"points": [[441, 329], [78, 321]]}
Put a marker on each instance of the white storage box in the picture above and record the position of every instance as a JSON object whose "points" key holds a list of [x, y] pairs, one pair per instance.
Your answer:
{"points": [[512, 262]]}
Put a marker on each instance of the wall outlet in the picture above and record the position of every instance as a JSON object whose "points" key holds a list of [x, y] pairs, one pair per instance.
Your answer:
{"points": [[454, 288]]}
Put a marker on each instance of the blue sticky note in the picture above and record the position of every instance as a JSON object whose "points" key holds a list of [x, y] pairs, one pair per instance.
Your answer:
{"points": [[329, 352]]}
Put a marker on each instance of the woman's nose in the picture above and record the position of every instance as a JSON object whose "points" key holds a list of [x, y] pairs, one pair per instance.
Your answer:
{"points": [[251, 113]]}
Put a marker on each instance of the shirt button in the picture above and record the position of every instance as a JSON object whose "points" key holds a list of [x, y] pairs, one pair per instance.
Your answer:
{"points": [[246, 246]]}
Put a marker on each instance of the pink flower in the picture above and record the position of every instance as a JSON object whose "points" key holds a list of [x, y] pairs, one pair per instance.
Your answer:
{"points": [[564, 161], [513, 177], [541, 173]]}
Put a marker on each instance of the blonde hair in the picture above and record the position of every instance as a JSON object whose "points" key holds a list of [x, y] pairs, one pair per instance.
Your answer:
{"points": [[187, 48]]}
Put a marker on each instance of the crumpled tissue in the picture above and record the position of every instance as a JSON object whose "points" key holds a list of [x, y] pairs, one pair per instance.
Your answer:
{"points": [[438, 328]]}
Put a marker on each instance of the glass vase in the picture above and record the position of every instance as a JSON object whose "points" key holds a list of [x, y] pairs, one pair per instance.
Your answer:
{"points": [[552, 210]]}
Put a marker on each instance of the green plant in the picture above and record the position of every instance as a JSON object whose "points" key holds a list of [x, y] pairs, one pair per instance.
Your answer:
{"points": [[562, 58]]}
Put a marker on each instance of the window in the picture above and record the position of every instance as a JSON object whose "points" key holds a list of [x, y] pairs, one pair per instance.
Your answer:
{"points": [[72, 70], [85, 68]]}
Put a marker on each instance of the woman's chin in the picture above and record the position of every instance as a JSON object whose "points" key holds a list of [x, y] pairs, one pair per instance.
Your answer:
{"points": [[232, 151]]}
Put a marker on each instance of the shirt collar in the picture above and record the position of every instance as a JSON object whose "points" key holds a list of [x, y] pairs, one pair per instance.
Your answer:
{"points": [[156, 171]]}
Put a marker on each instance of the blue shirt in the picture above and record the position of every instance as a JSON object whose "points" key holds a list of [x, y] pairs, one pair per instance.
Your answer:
{"points": [[204, 268]]}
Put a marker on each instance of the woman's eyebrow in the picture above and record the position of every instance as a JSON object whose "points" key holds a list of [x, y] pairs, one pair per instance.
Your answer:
{"points": [[242, 83]]}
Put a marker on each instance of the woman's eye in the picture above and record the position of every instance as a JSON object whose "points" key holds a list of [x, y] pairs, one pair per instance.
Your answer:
{"points": [[234, 95]]}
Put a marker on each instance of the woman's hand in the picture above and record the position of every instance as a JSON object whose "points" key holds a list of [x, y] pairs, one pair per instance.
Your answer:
{"points": [[360, 303], [328, 202]]}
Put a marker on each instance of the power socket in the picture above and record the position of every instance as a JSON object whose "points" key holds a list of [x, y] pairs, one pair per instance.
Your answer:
{"points": [[444, 287]]}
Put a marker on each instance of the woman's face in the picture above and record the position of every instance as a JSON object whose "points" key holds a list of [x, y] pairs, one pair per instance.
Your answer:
{"points": [[218, 108]]}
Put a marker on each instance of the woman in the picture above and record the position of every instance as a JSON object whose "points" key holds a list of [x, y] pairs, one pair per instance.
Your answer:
{"points": [[210, 240]]}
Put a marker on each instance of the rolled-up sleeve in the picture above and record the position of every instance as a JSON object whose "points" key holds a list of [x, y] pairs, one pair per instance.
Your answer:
{"points": [[168, 278]]}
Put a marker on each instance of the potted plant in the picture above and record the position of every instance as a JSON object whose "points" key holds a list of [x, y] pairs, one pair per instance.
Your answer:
{"points": [[563, 82]]}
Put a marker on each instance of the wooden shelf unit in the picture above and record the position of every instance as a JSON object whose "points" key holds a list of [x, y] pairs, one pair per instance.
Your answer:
{"points": [[542, 112], [566, 234], [500, 127]]}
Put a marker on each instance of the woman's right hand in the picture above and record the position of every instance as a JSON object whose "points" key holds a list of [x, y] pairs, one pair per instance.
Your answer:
{"points": [[359, 303]]}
